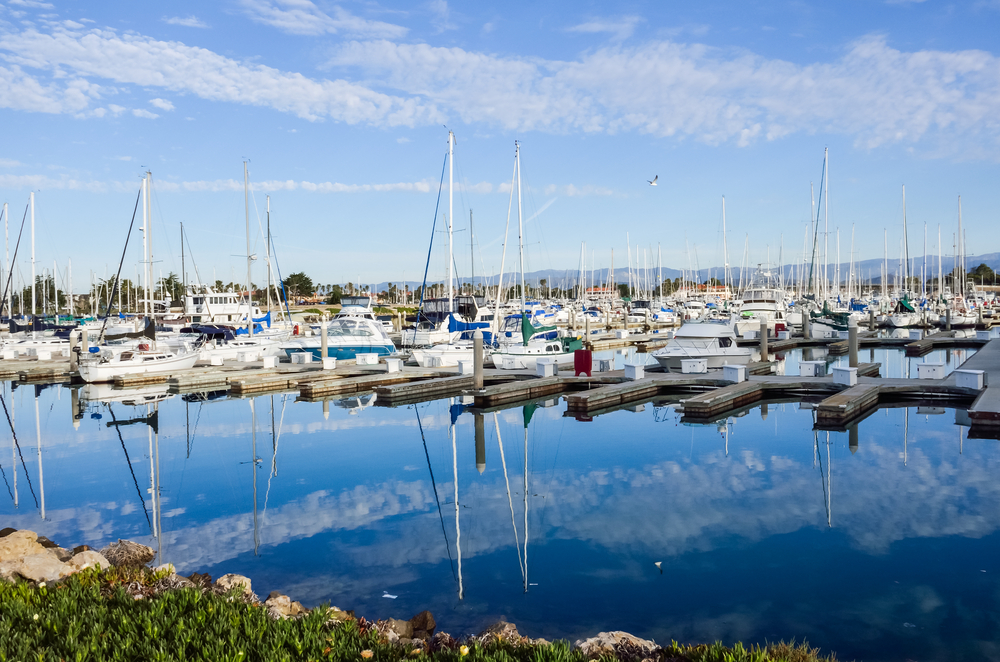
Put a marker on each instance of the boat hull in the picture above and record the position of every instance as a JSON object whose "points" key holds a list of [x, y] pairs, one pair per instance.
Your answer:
{"points": [[106, 372]]}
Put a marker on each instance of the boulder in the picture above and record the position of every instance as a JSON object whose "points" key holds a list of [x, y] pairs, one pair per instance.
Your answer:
{"points": [[88, 559], [43, 567], [176, 581], [608, 643], [6, 531], [128, 554], [45, 542], [81, 548], [403, 629], [423, 624], [226, 582], [19, 544], [501, 630], [63, 554], [202, 579], [278, 605]]}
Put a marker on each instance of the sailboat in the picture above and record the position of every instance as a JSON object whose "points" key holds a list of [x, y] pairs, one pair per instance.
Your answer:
{"points": [[525, 353], [104, 364]]}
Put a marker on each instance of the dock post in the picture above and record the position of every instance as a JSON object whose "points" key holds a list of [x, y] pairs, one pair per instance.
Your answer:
{"points": [[871, 319], [586, 327], [763, 339], [477, 360], [480, 443], [806, 331], [852, 342], [74, 405], [323, 340], [852, 435], [85, 342], [947, 318], [648, 327], [74, 351]]}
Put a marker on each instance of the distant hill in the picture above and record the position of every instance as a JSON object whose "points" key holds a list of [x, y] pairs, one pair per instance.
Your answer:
{"points": [[865, 269]]}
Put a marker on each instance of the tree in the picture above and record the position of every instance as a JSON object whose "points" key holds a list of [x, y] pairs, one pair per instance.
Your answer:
{"points": [[299, 284], [982, 274], [335, 293]]}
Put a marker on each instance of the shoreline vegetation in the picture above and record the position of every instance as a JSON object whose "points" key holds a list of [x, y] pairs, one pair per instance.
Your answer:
{"points": [[80, 604]]}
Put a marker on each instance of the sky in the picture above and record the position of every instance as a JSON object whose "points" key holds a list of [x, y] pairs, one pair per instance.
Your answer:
{"points": [[342, 110]]}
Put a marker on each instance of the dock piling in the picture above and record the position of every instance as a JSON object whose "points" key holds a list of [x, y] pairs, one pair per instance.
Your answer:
{"points": [[871, 319], [480, 443], [852, 342], [323, 340], [806, 331], [947, 318], [477, 360], [763, 339], [74, 351]]}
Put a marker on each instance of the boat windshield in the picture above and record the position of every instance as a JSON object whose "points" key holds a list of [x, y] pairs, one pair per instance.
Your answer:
{"points": [[351, 327]]}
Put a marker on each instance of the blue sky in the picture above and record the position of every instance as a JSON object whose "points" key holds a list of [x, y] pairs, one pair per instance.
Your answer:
{"points": [[340, 108]]}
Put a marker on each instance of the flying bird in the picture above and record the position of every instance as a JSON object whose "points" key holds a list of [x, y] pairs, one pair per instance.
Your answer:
{"points": [[659, 564], [653, 182]]}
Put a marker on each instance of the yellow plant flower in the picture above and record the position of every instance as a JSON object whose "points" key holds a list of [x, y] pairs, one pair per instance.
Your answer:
{"points": [[464, 650]]}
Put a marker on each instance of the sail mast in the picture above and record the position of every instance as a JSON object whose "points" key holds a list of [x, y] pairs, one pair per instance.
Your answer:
{"points": [[246, 205], [451, 213]]}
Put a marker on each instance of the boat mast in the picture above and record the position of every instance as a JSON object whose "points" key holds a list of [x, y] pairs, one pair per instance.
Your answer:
{"points": [[520, 226], [267, 253], [246, 206], [906, 247], [31, 197], [503, 254], [959, 262], [183, 271], [725, 249], [451, 213], [472, 254]]}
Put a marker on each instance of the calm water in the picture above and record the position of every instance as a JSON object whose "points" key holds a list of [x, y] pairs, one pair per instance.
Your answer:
{"points": [[764, 529]]}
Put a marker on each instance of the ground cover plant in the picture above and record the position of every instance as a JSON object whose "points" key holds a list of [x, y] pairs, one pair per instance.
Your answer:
{"points": [[133, 614]]}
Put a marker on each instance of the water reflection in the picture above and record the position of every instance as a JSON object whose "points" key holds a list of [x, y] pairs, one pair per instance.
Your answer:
{"points": [[762, 526]]}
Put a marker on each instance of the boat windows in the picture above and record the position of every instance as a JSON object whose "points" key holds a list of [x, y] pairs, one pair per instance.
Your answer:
{"points": [[725, 342]]}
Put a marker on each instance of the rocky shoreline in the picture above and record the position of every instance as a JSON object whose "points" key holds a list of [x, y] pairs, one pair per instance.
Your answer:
{"points": [[30, 558]]}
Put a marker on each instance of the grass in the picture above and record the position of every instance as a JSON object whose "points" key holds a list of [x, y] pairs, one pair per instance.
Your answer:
{"points": [[97, 616]]}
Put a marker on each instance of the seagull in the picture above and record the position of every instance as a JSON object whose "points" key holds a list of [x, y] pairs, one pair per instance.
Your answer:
{"points": [[653, 182], [659, 564]]}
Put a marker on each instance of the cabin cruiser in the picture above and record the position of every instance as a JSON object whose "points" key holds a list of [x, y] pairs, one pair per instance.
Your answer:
{"points": [[712, 341], [104, 365], [435, 323], [525, 356], [352, 331], [762, 300]]}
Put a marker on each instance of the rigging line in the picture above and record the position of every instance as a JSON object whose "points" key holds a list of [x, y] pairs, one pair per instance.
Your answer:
{"points": [[274, 457], [13, 261], [437, 206], [510, 501], [451, 561], [16, 443], [111, 298], [9, 491], [131, 470]]}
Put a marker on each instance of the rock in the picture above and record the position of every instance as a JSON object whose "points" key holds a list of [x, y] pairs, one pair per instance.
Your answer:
{"points": [[540, 642], [88, 559], [423, 622], [442, 640], [608, 643], [81, 548], [17, 545], [169, 567], [176, 581], [43, 567], [501, 630], [278, 605], [6, 532], [201, 579], [298, 609], [45, 542], [226, 582], [402, 628], [62, 554], [128, 554], [336, 614]]}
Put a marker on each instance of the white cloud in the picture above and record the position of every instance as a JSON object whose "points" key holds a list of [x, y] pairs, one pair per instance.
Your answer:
{"points": [[41, 183], [122, 158], [574, 191], [30, 3], [174, 66], [141, 112], [162, 104], [188, 22], [873, 92], [9, 163], [442, 15], [621, 28], [304, 17]]}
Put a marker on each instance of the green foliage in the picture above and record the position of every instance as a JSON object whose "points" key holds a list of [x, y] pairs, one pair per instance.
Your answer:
{"points": [[93, 617], [299, 285], [336, 291]]}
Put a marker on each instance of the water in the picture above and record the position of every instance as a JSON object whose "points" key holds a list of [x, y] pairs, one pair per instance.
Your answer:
{"points": [[894, 362], [765, 529]]}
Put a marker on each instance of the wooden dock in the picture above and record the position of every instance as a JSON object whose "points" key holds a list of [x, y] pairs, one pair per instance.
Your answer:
{"points": [[985, 411]]}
